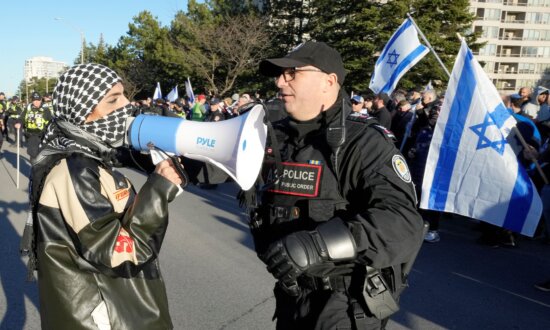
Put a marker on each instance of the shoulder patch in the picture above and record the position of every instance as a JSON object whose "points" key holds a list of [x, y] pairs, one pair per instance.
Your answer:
{"points": [[359, 117], [386, 132], [400, 167]]}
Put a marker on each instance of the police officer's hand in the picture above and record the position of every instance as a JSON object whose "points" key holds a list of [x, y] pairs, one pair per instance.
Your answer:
{"points": [[298, 252], [289, 257], [167, 169]]}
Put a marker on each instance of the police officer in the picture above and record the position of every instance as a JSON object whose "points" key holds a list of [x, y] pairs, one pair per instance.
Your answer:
{"points": [[35, 118], [12, 117], [335, 220]]}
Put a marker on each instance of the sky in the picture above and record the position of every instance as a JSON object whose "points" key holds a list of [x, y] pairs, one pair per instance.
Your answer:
{"points": [[29, 29]]}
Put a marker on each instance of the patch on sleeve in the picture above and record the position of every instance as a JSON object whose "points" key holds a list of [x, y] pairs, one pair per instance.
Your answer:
{"points": [[387, 133], [400, 167]]}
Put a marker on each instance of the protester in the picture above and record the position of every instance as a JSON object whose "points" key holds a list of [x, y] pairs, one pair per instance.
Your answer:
{"points": [[326, 192], [379, 110], [401, 120], [357, 102], [97, 242], [34, 118], [198, 111], [538, 99], [417, 157], [216, 113]]}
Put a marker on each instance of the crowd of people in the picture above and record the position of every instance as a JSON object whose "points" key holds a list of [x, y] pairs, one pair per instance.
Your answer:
{"points": [[333, 216]]}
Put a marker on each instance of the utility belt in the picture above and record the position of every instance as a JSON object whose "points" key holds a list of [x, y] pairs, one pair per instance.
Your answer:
{"points": [[333, 283], [377, 289]]}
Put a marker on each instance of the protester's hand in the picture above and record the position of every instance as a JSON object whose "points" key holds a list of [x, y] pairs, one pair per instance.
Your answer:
{"points": [[167, 169], [17, 125], [530, 153]]}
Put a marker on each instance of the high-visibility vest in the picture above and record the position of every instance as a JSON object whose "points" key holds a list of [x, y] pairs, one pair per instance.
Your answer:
{"points": [[34, 119]]}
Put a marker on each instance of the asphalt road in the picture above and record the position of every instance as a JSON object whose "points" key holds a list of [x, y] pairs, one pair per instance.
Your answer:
{"points": [[215, 281]]}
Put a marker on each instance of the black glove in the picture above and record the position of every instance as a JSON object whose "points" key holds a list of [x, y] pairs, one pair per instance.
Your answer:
{"points": [[289, 257]]}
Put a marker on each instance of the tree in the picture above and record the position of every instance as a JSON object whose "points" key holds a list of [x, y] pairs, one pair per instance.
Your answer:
{"points": [[35, 84], [220, 50], [359, 29]]}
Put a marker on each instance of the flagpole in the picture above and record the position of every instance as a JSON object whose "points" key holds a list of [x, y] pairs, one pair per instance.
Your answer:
{"points": [[429, 45]]}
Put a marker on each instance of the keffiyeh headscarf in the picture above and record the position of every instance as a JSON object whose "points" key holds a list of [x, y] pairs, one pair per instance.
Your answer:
{"points": [[75, 96]]}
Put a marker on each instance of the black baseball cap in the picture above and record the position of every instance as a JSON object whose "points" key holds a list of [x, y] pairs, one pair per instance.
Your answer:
{"points": [[317, 54], [35, 96]]}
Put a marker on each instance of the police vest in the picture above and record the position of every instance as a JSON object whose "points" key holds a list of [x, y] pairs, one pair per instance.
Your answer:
{"points": [[34, 119], [13, 111]]}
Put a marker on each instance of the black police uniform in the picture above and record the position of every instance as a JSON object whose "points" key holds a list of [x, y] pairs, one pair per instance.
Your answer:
{"points": [[365, 183], [3, 108], [35, 121], [11, 117]]}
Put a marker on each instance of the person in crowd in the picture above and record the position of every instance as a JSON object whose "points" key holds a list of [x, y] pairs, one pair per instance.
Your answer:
{"points": [[401, 120], [379, 110], [367, 105], [538, 100], [198, 111], [333, 206], [525, 93], [3, 110], [96, 241], [492, 235], [425, 110], [417, 156], [216, 113], [357, 103], [12, 116], [414, 97], [34, 118], [227, 108]]}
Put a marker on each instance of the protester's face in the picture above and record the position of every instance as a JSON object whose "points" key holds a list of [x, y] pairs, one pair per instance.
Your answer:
{"points": [[426, 98], [303, 95], [524, 92], [542, 98], [368, 104], [355, 106], [112, 101]]}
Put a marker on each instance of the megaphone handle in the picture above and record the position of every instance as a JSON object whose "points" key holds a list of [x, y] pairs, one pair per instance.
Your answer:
{"points": [[181, 171]]}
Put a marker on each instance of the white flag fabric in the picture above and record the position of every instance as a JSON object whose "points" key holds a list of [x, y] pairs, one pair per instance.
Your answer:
{"points": [[472, 169], [173, 95], [400, 54], [157, 94], [189, 91]]}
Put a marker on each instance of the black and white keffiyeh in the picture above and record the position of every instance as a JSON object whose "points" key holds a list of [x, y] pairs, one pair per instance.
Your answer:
{"points": [[75, 96]]}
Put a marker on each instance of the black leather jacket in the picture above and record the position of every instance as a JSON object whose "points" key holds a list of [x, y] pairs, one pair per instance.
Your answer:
{"points": [[97, 242]]}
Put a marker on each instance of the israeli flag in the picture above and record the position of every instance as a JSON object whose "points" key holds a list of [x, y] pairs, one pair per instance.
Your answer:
{"points": [[401, 53], [472, 169], [157, 94], [173, 95], [189, 91]]}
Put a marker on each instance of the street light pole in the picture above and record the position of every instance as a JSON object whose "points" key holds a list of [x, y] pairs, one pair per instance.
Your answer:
{"points": [[82, 40]]}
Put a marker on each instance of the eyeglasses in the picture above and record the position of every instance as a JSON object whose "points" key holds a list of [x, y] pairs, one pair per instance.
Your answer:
{"points": [[290, 74]]}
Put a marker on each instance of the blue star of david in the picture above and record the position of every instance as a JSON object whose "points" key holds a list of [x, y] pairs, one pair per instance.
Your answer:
{"points": [[483, 141], [395, 57]]}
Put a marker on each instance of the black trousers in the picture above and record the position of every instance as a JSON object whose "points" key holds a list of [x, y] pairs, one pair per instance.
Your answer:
{"points": [[319, 310], [33, 142]]}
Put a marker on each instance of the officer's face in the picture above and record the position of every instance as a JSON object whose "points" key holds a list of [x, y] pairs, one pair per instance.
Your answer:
{"points": [[303, 90], [113, 100], [36, 103]]}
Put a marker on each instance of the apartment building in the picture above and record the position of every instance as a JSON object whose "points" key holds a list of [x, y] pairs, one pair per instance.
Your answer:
{"points": [[43, 67], [517, 33]]}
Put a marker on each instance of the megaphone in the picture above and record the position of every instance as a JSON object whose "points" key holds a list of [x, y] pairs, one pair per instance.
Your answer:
{"points": [[236, 145]]}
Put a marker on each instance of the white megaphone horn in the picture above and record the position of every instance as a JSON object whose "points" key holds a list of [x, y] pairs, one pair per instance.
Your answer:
{"points": [[236, 145]]}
